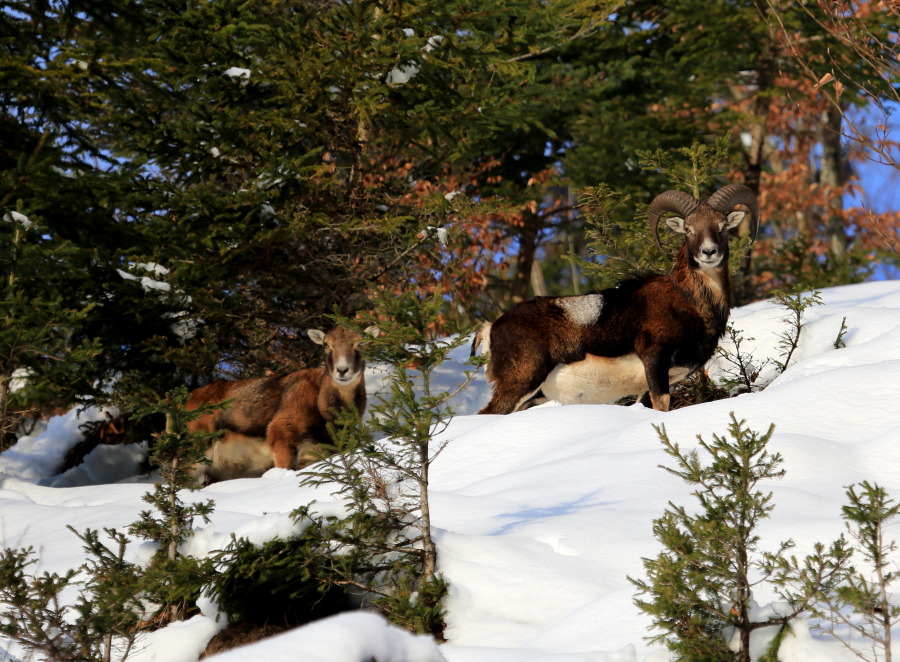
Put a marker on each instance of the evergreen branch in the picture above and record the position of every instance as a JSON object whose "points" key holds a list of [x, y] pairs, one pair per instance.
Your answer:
{"points": [[582, 33], [25, 168]]}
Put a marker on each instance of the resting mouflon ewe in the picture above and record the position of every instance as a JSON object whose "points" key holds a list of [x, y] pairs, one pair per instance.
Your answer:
{"points": [[280, 421], [639, 336]]}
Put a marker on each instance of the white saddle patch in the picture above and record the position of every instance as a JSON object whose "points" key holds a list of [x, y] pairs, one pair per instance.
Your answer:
{"points": [[583, 310], [601, 380]]}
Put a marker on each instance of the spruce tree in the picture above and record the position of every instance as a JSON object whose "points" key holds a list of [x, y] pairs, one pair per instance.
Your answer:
{"points": [[670, 74], [44, 359], [69, 189], [861, 612], [174, 579], [101, 623], [699, 591], [381, 466], [283, 156], [116, 599]]}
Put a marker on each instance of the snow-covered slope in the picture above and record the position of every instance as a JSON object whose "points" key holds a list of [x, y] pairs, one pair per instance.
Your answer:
{"points": [[542, 515]]}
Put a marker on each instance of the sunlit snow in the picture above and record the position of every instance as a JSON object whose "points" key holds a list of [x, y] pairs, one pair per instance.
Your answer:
{"points": [[237, 72], [17, 217], [540, 516]]}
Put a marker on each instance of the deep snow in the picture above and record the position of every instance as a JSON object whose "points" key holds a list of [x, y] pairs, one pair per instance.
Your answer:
{"points": [[540, 516]]}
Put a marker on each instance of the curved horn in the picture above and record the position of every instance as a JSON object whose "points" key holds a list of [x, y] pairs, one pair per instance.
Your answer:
{"points": [[677, 201], [737, 194]]}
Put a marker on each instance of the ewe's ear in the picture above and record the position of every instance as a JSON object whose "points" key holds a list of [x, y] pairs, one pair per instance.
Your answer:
{"points": [[676, 223], [316, 336], [734, 219], [373, 331]]}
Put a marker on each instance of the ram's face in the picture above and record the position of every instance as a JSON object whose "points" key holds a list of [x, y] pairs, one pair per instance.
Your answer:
{"points": [[706, 234]]}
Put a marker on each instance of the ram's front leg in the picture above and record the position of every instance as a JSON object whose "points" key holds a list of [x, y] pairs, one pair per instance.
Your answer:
{"points": [[656, 369]]}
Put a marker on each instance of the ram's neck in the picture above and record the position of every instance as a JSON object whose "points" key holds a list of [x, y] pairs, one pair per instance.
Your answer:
{"points": [[708, 288]]}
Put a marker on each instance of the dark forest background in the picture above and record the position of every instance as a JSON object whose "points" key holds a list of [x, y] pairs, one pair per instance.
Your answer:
{"points": [[185, 187]]}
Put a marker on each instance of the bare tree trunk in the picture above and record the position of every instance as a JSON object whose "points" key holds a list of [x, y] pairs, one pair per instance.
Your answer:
{"points": [[173, 523], [743, 599], [573, 269], [173, 496], [528, 237], [107, 647], [538, 284], [5, 424], [429, 562], [755, 154], [833, 175], [755, 158]]}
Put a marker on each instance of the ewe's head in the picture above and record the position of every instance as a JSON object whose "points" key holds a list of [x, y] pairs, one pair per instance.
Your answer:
{"points": [[705, 224], [343, 361]]}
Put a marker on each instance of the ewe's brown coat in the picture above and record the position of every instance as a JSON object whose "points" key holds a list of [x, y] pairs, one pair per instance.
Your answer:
{"points": [[281, 421]]}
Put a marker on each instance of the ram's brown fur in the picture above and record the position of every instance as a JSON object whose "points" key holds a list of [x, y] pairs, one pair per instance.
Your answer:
{"points": [[280, 421], [639, 336]]}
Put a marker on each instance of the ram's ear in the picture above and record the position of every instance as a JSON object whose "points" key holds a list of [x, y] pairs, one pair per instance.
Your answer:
{"points": [[676, 223], [373, 331], [316, 336], [734, 219]]}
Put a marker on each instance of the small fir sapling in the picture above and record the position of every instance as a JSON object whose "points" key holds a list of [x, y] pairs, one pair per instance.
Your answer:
{"points": [[689, 168], [173, 578], [618, 242], [116, 599], [699, 590], [861, 612], [175, 452], [839, 340], [282, 583], [101, 624], [381, 466], [742, 372], [619, 236], [795, 304]]}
